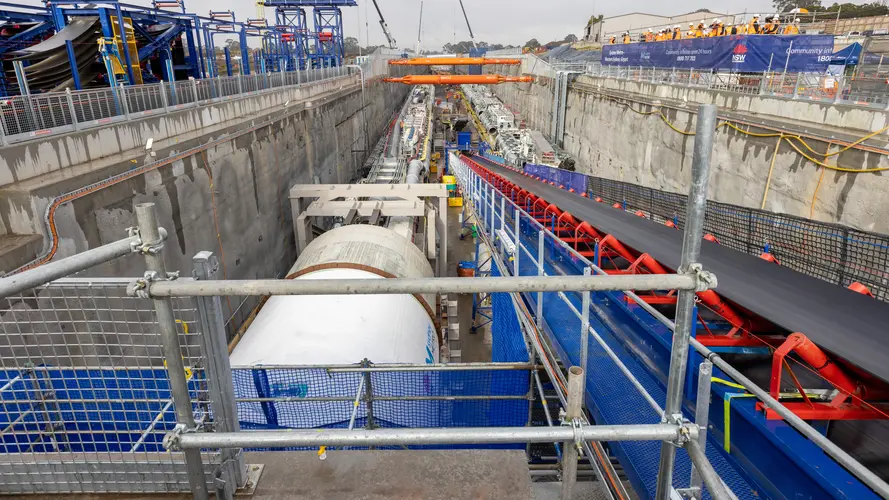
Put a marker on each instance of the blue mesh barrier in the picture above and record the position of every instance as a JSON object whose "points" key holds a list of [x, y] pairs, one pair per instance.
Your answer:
{"points": [[301, 398], [52, 410]]}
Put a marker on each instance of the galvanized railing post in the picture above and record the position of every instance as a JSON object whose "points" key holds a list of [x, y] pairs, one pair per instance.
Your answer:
{"points": [[702, 415], [503, 212], [585, 326], [541, 237], [163, 92], [518, 243], [573, 414], [691, 251], [493, 212], [70, 99], [194, 90], [219, 373], [240, 86], [124, 101], [152, 249]]}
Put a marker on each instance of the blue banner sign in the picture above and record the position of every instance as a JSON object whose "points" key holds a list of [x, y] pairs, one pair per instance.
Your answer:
{"points": [[742, 53]]}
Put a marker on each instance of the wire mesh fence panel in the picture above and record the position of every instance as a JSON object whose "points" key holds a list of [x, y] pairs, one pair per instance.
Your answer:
{"points": [[92, 105], [185, 92], [205, 89], [866, 91], [816, 87], [84, 391], [18, 115], [52, 110], [143, 98]]}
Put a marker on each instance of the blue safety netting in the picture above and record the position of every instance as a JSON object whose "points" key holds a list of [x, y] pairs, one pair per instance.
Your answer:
{"points": [[72, 410]]}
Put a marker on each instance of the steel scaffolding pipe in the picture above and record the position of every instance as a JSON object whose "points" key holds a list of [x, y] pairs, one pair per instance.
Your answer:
{"points": [[459, 79], [431, 436], [51, 271], [398, 286], [452, 61]]}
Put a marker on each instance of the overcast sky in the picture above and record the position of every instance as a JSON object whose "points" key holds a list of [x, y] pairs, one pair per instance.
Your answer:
{"points": [[494, 21]]}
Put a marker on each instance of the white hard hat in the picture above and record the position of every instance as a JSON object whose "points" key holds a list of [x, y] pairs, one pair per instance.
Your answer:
{"points": [[650, 30], [676, 27], [796, 21], [755, 15]]}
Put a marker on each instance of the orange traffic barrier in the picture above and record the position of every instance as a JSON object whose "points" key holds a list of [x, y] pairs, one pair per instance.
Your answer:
{"points": [[451, 61], [459, 79]]}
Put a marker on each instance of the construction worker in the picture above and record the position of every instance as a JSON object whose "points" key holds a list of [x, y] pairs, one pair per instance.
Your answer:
{"points": [[612, 40], [699, 31], [691, 31], [776, 26], [753, 25], [720, 28], [627, 38], [660, 36], [677, 32], [649, 37], [792, 29]]}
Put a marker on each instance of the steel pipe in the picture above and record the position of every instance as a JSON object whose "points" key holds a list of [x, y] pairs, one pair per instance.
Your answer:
{"points": [[714, 484], [452, 61], [431, 436], [146, 217], [691, 252], [459, 79], [20, 282], [397, 286], [573, 414]]}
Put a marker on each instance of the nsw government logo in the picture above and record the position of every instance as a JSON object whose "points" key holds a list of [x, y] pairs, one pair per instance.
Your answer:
{"points": [[739, 54]]}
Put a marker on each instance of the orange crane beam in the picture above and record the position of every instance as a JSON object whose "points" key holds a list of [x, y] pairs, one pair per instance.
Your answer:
{"points": [[451, 61], [459, 79]]}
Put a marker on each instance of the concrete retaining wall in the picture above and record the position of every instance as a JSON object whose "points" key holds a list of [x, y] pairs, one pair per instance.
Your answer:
{"points": [[230, 198], [611, 141]]}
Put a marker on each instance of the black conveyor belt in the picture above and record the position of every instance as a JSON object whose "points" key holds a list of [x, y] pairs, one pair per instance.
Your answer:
{"points": [[851, 325]]}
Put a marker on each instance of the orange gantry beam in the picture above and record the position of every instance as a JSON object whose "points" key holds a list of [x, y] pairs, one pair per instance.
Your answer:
{"points": [[451, 61], [459, 79]]}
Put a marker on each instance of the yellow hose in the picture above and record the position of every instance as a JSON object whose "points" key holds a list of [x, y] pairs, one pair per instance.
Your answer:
{"points": [[765, 193], [781, 136]]}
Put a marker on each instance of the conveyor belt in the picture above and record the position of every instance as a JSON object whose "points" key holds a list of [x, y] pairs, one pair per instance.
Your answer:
{"points": [[848, 324]]}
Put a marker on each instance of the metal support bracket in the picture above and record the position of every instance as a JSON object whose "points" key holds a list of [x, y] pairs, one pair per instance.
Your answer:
{"points": [[705, 280], [172, 441], [141, 287]]}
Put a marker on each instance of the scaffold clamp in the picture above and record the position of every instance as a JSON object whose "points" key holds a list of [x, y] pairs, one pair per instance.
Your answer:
{"points": [[704, 280]]}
